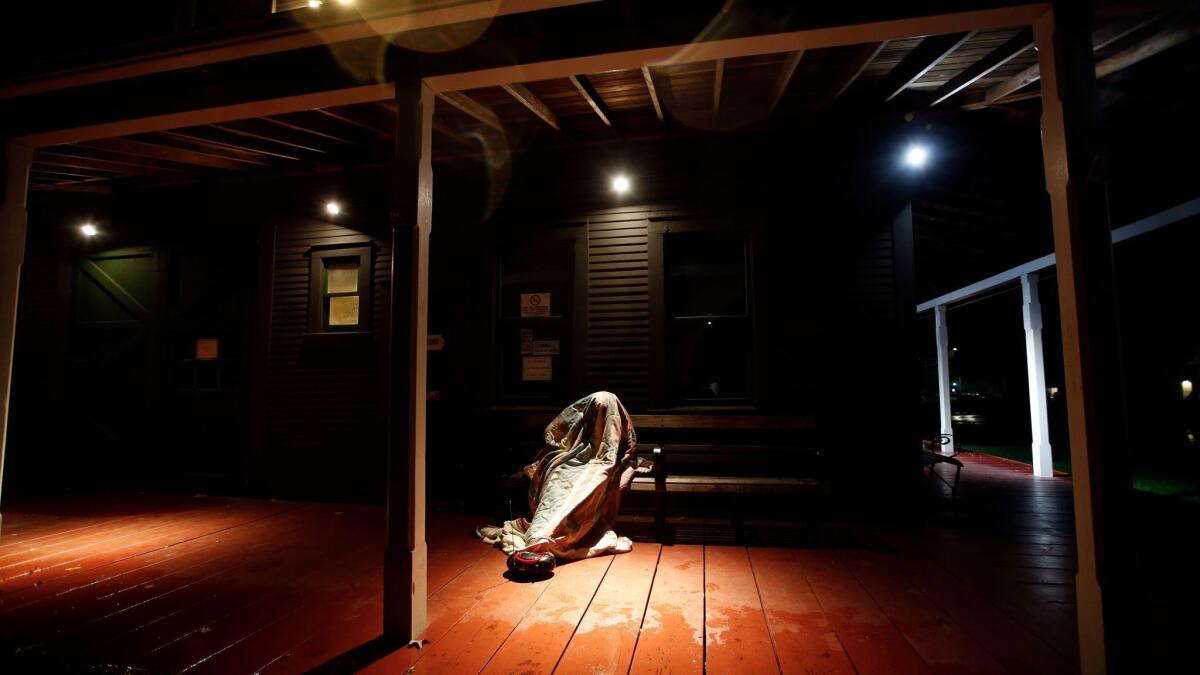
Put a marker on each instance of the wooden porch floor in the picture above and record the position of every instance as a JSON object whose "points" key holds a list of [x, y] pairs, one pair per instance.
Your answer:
{"points": [[137, 583]]}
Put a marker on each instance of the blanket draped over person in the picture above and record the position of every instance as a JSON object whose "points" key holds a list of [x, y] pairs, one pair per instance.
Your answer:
{"points": [[589, 457]]}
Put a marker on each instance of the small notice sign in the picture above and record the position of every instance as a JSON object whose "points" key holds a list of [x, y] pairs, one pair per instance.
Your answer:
{"points": [[535, 304], [537, 347], [537, 368], [207, 349]]}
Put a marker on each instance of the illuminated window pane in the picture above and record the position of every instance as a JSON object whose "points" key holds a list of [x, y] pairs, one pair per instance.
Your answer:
{"points": [[342, 277], [343, 310]]}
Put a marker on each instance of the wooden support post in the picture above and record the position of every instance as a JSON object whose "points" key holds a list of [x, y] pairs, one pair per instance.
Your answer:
{"points": [[1036, 366], [405, 564], [17, 159], [942, 336], [1071, 134]]}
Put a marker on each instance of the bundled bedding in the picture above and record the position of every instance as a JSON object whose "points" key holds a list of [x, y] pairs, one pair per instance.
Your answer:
{"points": [[576, 480]]}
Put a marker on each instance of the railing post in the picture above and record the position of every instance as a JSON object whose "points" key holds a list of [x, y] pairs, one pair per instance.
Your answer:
{"points": [[1035, 362], [942, 336]]}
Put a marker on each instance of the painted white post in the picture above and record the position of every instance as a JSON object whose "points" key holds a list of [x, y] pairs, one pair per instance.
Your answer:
{"points": [[12, 254], [942, 335], [1038, 418]]}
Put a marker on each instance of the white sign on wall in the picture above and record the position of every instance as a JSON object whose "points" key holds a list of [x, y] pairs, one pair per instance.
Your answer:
{"points": [[537, 368]]}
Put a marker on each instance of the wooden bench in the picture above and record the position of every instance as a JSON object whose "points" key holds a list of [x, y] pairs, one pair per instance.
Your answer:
{"points": [[736, 456]]}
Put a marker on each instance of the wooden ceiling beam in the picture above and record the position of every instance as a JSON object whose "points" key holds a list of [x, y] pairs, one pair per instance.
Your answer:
{"points": [[584, 86], [1018, 44], [296, 36], [653, 91], [250, 155], [718, 78], [238, 131], [76, 162], [1152, 45], [293, 125], [164, 152], [1101, 38], [360, 119], [472, 108], [533, 103], [784, 78], [932, 51], [1156, 44], [855, 68]]}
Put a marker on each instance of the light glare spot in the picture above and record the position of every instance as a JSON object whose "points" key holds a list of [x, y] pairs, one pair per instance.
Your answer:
{"points": [[916, 156]]}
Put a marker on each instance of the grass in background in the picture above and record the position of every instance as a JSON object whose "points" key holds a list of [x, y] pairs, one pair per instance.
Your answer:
{"points": [[1154, 480]]}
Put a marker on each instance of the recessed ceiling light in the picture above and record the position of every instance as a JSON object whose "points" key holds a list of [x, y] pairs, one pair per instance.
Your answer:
{"points": [[333, 208], [916, 156], [620, 184], [88, 230]]}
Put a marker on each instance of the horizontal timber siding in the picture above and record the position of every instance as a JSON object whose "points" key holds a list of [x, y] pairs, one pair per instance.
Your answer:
{"points": [[325, 417]]}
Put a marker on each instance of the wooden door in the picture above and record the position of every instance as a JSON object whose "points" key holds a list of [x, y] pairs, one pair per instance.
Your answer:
{"points": [[158, 372]]}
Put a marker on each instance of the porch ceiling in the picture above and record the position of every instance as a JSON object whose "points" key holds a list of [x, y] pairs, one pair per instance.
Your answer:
{"points": [[920, 75]]}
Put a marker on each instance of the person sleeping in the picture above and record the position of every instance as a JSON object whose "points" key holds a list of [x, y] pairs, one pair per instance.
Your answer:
{"points": [[576, 480]]}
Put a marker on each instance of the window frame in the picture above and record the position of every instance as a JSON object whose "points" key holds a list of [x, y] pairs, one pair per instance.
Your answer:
{"points": [[661, 394], [318, 298]]}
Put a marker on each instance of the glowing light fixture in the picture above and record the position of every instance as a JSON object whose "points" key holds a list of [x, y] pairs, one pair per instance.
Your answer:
{"points": [[916, 156], [1185, 388], [314, 4], [333, 208], [620, 184], [345, 2], [88, 230]]}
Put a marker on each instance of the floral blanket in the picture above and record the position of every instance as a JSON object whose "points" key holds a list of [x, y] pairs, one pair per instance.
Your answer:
{"points": [[576, 480]]}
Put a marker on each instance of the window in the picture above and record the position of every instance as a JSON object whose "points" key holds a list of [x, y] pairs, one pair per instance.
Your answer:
{"points": [[534, 322], [709, 333], [339, 295]]}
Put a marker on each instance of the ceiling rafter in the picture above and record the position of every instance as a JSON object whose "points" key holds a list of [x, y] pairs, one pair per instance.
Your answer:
{"points": [[584, 86], [1016, 45], [932, 51], [786, 71], [533, 103], [1101, 38], [472, 108], [250, 154], [230, 129], [855, 68], [76, 162], [306, 130], [164, 152], [1155, 44], [653, 91]]}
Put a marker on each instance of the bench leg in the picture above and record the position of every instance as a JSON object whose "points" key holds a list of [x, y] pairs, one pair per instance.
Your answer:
{"points": [[660, 510]]}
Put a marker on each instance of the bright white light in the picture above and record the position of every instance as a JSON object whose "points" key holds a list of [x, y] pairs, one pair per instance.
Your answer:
{"points": [[916, 156], [88, 230], [314, 4], [620, 184], [1185, 388], [333, 208]]}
